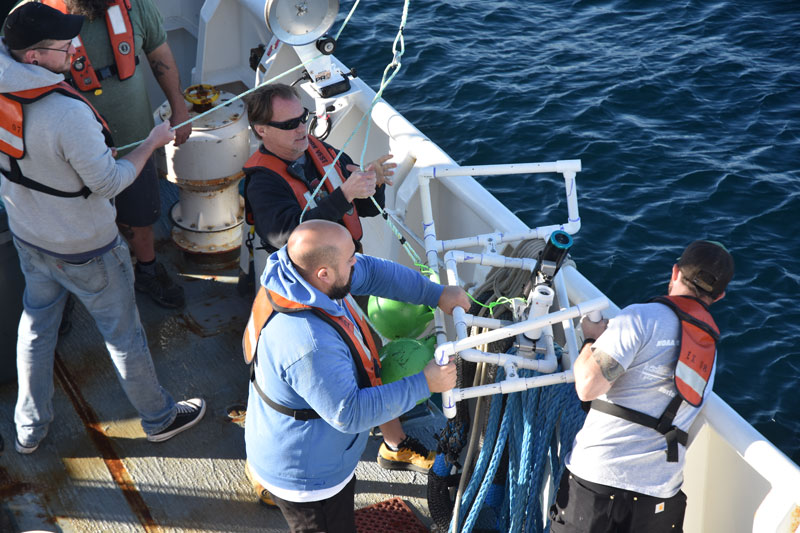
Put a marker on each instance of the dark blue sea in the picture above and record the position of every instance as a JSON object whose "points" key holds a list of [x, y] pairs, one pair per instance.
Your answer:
{"points": [[686, 116]]}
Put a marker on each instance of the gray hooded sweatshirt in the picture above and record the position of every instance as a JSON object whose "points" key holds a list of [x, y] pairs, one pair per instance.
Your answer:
{"points": [[65, 150]]}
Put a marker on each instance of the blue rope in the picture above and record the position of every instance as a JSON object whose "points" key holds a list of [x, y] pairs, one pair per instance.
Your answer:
{"points": [[494, 463], [539, 425]]}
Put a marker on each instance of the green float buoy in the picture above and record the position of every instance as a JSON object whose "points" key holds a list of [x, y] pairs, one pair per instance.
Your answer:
{"points": [[396, 320], [405, 357]]}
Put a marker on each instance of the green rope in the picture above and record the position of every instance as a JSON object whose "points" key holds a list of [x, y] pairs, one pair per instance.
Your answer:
{"points": [[499, 301], [346, 20]]}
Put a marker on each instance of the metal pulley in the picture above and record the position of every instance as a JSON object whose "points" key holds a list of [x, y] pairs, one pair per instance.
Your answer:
{"points": [[298, 22], [303, 24]]}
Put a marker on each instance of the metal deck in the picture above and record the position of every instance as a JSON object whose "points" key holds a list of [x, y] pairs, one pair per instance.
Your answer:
{"points": [[96, 472]]}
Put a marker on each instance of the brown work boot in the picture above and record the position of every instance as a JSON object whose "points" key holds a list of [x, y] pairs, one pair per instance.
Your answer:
{"points": [[264, 497], [410, 455]]}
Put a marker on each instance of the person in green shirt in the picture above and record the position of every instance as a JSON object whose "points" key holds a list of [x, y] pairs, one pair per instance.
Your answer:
{"points": [[127, 109]]}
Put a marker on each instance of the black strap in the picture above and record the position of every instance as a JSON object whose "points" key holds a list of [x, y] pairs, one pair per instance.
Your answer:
{"points": [[310, 414], [297, 414], [110, 70], [663, 425], [14, 175], [686, 317]]}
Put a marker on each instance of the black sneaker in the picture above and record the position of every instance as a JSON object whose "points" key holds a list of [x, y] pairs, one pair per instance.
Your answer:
{"points": [[25, 449], [189, 413], [160, 287]]}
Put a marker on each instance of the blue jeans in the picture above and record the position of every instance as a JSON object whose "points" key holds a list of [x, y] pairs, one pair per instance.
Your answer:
{"points": [[105, 287]]}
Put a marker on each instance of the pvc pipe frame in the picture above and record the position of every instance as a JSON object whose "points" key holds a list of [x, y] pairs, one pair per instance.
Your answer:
{"points": [[433, 246], [568, 168], [464, 346]]}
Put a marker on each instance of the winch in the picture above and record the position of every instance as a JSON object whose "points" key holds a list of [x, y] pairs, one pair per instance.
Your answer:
{"points": [[208, 216]]}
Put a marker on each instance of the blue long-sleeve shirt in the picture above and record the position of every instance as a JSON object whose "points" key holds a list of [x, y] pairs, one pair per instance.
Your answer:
{"points": [[303, 363]]}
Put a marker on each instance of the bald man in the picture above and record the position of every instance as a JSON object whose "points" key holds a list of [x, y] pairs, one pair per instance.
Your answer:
{"points": [[315, 391]]}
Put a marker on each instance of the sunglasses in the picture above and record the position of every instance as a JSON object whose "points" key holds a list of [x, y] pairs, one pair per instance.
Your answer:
{"points": [[292, 123]]}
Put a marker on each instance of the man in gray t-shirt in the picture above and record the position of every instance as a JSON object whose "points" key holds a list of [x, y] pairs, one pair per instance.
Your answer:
{"points": [[618, 477]]}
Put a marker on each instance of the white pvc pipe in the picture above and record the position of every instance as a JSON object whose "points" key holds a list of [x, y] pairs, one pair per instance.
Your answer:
{"points": [[514, 385], [573, 218], [540, 300], [429, 238], [451, 348], [546, 365], [485, 322], [493, 260], [569, 329], [496, 238], [561, 167], [567, 168]]}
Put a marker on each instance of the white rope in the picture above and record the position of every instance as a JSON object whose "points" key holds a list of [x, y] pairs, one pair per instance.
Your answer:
{"points": [[391, 70]]}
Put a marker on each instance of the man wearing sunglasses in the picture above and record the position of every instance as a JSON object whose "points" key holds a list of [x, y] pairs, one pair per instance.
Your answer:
{"points": [[288, 167], [59, 177]]}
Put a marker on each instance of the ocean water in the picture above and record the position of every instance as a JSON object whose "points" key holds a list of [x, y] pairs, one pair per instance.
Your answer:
{"points": [[686, 116]]}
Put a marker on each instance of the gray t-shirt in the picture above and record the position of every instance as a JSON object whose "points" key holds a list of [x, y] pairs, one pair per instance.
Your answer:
{"points": [[644, 339]]}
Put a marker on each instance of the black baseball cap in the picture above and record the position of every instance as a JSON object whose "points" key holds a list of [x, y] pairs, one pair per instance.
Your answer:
{"points": [[33, 22], [708, 266]]}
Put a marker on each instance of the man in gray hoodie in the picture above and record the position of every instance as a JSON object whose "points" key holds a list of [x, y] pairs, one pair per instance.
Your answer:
{"points": [[59, 179]]}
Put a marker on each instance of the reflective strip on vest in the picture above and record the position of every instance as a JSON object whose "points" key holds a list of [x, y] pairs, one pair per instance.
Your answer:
{"points": [[115, 21], [333, 175], [695, 382]]}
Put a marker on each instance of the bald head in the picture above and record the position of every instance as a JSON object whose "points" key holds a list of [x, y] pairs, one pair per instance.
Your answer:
{"points": [[319, 243]]}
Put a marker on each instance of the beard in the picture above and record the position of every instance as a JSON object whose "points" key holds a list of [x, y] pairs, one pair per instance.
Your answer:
{"points": [[338, 292], [91, 9]]}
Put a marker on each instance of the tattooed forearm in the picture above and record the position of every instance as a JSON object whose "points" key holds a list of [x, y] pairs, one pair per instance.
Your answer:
{"points": [[159, 67], [611, 368]]}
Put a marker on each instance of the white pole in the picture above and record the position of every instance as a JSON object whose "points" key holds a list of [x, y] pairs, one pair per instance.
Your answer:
{"points": [[508, 386], [584, 308], [561, 167]]}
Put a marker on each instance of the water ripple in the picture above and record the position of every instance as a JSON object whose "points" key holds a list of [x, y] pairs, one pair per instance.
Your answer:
{"points": [[686, 117]]}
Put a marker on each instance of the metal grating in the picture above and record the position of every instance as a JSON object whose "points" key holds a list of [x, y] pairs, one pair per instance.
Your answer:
{"points": [[390, 515]]}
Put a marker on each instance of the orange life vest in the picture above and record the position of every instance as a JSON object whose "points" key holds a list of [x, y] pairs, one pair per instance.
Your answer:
{"points": [[120, 33], [322, 157], [362, 346], [698, 349], [12, 138], [699, 336]]}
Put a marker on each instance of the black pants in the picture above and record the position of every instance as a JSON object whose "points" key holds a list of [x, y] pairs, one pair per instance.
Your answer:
{"points": [[585, 507], [334, 515]]}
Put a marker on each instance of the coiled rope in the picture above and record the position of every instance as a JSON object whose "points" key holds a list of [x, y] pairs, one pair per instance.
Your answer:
{"points": [[548, 415], [522, 433]]}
